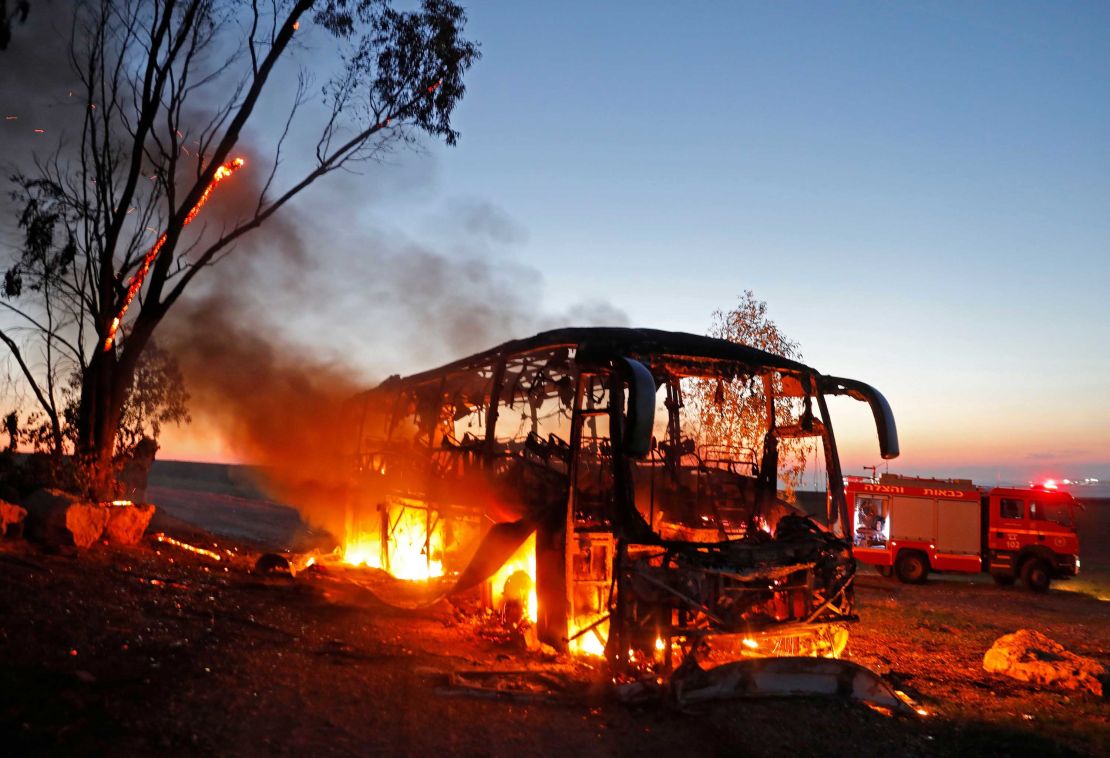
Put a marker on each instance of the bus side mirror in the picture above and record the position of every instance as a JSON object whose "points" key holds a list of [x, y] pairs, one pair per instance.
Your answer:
{"points": [[880, 409], [639, 419]]}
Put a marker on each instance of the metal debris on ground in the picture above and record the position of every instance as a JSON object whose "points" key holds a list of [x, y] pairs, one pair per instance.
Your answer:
{"points": [[789, 677]]}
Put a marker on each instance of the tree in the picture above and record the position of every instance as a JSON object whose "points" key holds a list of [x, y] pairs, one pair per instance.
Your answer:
{"points": [[157, 396], [734, 413], [166, 88]]}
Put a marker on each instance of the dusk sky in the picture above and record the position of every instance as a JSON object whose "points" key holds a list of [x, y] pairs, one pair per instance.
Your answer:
{"points": [[920, 192]]}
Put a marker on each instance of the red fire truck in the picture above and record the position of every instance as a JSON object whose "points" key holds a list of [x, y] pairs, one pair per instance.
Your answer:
{"points": [[910, 526]]}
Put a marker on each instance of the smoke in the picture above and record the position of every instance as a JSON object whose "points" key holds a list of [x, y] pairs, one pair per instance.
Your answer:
{"points": [[274, 403], [275, 347]]}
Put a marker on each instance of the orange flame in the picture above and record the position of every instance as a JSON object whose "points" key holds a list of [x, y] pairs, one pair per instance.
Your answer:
{"points": [[409, 552], [591, 643], [139, 276], [523, 561], [186, 546]]}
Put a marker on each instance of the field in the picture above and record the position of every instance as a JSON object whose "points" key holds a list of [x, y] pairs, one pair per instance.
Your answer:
{"points": [[156, 650]]}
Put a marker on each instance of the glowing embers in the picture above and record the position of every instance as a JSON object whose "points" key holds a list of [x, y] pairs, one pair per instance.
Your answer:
{"points": [[139, 276], [805, 641], [407, 543], [513, 587], [182, 545]]}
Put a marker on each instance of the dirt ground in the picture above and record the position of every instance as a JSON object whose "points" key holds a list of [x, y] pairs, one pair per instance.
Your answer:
{"points": [[138, 651]]}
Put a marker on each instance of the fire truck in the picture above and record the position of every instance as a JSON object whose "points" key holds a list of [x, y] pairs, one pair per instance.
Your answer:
{"points": [[909, 527]]}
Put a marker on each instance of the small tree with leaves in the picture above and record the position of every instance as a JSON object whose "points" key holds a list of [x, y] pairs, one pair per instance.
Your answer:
{"points": [[93, 280]]}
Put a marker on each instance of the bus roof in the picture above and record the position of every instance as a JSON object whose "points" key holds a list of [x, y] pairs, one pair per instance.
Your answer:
{"points": [[623, 341]]}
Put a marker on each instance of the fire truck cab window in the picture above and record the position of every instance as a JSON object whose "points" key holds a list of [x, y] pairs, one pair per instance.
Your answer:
{"points": [[872, 521], [1057, 513], [1011, 507]]}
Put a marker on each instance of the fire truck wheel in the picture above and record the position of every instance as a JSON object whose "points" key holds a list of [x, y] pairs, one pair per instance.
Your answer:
{"points": [[1004, 580], [911, 567], [1035, 576]]}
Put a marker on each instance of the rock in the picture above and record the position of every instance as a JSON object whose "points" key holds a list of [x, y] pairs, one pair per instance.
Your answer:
{"points": [[58, 518], [272, 564], [86, 523], [11, 519], [46, 516], [1029, 656], [126, 523]]}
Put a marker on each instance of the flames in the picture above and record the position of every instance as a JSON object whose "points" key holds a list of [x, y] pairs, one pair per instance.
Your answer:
{"points": [[592, 642], [411, 543], [413, 549], [139, 276], [589, 633], [515, 581], [408, 543]]}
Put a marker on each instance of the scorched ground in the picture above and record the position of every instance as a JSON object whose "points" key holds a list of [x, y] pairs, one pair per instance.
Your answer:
{"points": [[155, 649]]}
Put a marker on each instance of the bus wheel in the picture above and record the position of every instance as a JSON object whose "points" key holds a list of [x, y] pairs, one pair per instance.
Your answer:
{"points": [[911, 567], [1004, 580], [887, 571], [1035, 576]]}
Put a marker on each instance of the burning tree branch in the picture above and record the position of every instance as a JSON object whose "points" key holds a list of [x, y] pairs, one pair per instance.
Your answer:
{"points": [[139, 276]]}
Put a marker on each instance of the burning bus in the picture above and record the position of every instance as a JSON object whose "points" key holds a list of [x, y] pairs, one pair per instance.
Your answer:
{"points": [[567, 479]]}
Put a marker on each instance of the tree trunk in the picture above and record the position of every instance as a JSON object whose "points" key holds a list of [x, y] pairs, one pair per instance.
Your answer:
{"points": [[104, 390], [105, 387], [97, 418]]}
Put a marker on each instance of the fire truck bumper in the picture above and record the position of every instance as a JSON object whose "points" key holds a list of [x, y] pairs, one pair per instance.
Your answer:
{"points": [[1067, 565]]}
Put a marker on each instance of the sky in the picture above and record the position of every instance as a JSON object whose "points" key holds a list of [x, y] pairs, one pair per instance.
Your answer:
{"points": [[919, 191]]}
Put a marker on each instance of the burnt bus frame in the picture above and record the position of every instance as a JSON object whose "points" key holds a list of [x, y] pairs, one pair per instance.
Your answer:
{"points": [[599, 351]]}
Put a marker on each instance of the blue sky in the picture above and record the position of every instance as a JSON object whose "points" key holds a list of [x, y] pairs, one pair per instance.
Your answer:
{"points": [[796, 148], [920, 191]]}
